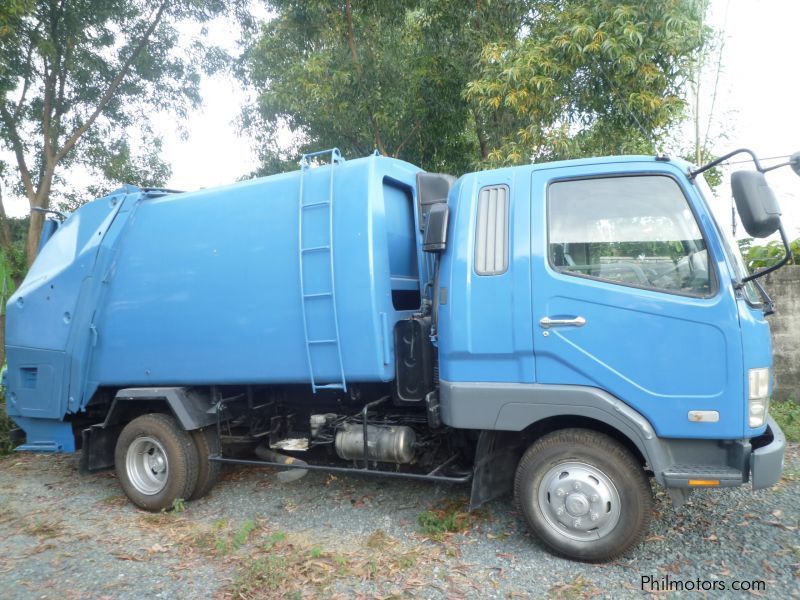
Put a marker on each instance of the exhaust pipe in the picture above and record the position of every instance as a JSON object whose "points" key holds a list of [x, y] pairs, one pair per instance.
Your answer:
{"points": [[286, 475]]}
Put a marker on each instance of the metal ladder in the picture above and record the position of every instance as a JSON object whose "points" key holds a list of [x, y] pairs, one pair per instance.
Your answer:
{"points": [[311, 212]]}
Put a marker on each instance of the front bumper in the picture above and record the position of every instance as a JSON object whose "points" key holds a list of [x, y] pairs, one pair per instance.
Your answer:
{"points": [[766, 459]]}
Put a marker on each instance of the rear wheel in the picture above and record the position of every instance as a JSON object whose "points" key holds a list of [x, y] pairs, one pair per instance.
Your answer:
{"points": [[156, 462], [207, 443], [583, 494]]}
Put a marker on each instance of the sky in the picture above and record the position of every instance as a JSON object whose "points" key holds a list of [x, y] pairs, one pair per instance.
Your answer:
{"points": [[757, 97]]}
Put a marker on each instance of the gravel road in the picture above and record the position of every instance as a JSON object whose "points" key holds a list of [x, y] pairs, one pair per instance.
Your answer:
{"points": [[67, 536]]}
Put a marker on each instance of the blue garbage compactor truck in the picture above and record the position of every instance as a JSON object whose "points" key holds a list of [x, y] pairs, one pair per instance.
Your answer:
{"points": [[564, 330]]}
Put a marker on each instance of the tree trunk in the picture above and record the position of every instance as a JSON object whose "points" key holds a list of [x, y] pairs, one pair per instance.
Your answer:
{"points": [[5, 230], [40, 200], [34, 234]]}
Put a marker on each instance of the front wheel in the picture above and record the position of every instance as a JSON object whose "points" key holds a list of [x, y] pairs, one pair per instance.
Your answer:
{"points": [[583, 494], [156, 462]]}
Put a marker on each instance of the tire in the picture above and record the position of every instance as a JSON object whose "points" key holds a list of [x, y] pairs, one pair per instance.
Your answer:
{"points": [[206, 443], [583, 494], [156, 462]]}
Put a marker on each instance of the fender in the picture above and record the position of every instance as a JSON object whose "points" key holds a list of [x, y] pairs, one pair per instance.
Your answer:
{"points": [[193, 407], [496, 406]]}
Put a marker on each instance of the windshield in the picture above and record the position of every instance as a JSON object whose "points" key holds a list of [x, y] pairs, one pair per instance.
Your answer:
{"points": [[729, 243]]}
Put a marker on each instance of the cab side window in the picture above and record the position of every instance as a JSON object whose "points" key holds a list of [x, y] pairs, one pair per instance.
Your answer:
{"points": [[491, 231], [637, 231]]}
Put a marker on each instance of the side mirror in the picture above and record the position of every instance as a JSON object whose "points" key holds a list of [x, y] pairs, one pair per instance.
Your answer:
{"points": [[432, 188], [49, 227], [435, 239], [794, 162], [758, 208]]}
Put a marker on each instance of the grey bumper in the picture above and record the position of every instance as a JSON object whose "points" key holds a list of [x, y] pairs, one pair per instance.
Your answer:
{"points": [[766, 462]]}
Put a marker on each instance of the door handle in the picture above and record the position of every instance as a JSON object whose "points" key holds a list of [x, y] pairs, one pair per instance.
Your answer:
{"points": [[547, 322]]}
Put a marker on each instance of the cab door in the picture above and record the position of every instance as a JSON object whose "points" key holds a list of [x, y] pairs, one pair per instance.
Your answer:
{"points": [[629, 297]]}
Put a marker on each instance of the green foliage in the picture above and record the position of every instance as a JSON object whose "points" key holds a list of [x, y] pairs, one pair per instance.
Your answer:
{"points": [[591, 77], [78, 79], [6, 425], [117, 164], [787, 414], [227, 544], [361, 75], [713, 176], [451, 85], [13, 265], [11, 14], [178, 505], [275, 538], [435, 525], [450, 517], [761, 256]]}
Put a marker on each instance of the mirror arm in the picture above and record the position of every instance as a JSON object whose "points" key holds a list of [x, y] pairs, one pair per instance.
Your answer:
{"points": [[722, 159], [50, 211], [786, 164], [769, 303], [786, 257]]}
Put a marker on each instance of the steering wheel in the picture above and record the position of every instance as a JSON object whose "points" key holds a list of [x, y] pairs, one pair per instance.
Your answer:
{"points": [[689, 262], [636, 269]]}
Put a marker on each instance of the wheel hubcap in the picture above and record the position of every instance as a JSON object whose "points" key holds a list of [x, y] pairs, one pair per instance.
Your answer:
{"points": [[579, 501], [147, 465]]}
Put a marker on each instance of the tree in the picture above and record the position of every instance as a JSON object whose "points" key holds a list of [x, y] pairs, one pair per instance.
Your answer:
{"points": [[75, 76], [706, 71], [364, 75], [453, 85], [761, 256], [591, 77]]}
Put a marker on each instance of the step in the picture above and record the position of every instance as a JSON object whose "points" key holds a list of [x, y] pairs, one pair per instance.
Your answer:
{"points": [[319, 203], [315, 248], [681, 475]]}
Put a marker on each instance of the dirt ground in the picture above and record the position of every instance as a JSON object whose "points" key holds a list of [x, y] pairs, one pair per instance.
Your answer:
{"points": [[63, 535]]}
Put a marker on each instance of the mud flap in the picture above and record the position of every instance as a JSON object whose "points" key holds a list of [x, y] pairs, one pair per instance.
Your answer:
{"points": [[97, 449], [496, 458]]}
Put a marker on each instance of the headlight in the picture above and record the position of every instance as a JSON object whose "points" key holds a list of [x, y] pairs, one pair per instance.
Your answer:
{"points": [[758, 396]]}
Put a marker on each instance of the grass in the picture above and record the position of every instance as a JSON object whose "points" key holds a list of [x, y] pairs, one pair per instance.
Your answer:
{"points": [[114, 500], [241, 535], [579, 587], [277, 565], [450, 517], [787, 414], [44, 528]]}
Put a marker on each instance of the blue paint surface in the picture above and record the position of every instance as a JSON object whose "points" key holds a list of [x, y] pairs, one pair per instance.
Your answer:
{"points": [[152, 288]]}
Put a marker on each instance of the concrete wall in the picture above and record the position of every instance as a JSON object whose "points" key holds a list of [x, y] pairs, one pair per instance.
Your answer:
{"points": [[784, 287]]}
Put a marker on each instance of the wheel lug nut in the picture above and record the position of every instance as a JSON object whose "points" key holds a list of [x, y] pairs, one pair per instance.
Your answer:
{"points": [[576, 523], [560, 510], [576, 485], [595, 516], [561, 492]]}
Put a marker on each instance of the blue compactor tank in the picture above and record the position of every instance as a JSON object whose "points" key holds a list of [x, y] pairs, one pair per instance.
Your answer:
{"points": [[293, 278]]}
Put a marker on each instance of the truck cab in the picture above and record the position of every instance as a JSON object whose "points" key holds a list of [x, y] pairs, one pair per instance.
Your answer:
{"points": [[601, 294]]}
